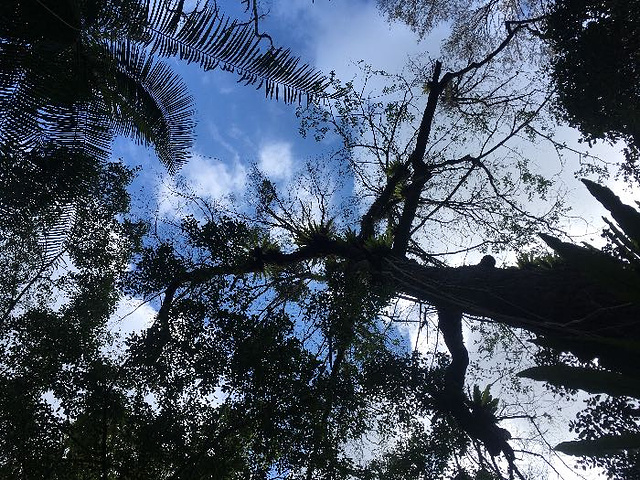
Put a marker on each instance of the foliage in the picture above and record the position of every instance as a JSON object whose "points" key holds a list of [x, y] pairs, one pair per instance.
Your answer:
{"points": [[220, 390], [53, 327], [533, 259], [474, 27], [59, 206], [79, 73], [609, 438], [603, 101], [269, 347]]}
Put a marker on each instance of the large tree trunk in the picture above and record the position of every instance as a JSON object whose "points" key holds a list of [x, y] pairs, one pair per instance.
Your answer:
{"points": [[565, 309], [558, 301]]}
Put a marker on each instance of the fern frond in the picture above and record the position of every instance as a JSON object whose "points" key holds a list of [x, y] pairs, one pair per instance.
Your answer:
{"points": [[150, 103], [39, 194], [54, 238], [212, 40]]}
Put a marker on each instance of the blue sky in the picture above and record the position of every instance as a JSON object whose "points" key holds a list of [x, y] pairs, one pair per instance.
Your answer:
{"points": [[238, 128]]}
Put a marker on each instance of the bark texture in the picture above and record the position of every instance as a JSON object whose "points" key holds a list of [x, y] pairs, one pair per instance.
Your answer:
{"points": [[558, 301]]}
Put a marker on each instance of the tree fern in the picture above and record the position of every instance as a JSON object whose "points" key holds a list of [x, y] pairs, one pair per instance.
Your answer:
{"points": [[76, 73], [212, 40], [77, 83], [67, 63]]}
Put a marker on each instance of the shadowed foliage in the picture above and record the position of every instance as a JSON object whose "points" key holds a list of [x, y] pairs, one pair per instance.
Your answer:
{"points": [[596, 53], [274, 343]]}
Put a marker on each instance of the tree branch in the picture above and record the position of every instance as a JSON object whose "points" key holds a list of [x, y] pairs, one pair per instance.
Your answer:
{"points": [[421, 173]]}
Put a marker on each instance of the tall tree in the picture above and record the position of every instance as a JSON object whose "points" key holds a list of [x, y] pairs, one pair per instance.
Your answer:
{"points": [[567, 36], [412, 182]]}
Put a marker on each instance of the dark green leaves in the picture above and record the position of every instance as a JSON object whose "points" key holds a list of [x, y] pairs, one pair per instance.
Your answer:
{"points": [[595, 46]]}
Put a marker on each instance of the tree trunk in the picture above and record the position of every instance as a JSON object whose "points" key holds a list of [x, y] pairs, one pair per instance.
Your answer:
{"points": [[559, 301]]}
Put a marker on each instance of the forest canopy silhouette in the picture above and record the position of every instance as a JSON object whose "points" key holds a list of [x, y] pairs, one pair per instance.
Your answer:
{"points": [[277, 342]]}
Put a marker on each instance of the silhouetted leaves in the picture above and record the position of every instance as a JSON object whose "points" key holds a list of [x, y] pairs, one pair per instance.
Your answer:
{"points": [[595, 67]]}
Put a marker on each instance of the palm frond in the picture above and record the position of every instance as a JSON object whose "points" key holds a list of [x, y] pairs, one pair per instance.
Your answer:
{"points": [[133, 95], [210, 39], [48, 98], [78, 73], [86, 127], [39, 192], [53, 239], [150, 103], [86, 90]]}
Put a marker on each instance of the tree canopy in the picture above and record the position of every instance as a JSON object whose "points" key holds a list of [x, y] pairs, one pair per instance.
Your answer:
{"points": [[276, 343], [570, 37]]}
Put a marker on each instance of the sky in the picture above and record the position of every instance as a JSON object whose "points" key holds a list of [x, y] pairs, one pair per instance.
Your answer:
{"points": [[238, 130]]}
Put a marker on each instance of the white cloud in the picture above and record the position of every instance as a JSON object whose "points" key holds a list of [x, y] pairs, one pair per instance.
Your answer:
{"points": [[361, 33], [276, 160], [207, 178], [346, 32], [234, 133], [213, 178]]}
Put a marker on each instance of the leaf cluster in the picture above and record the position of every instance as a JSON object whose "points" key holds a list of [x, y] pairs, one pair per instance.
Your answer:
{"points": [[601, 102], [608, 429]]}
